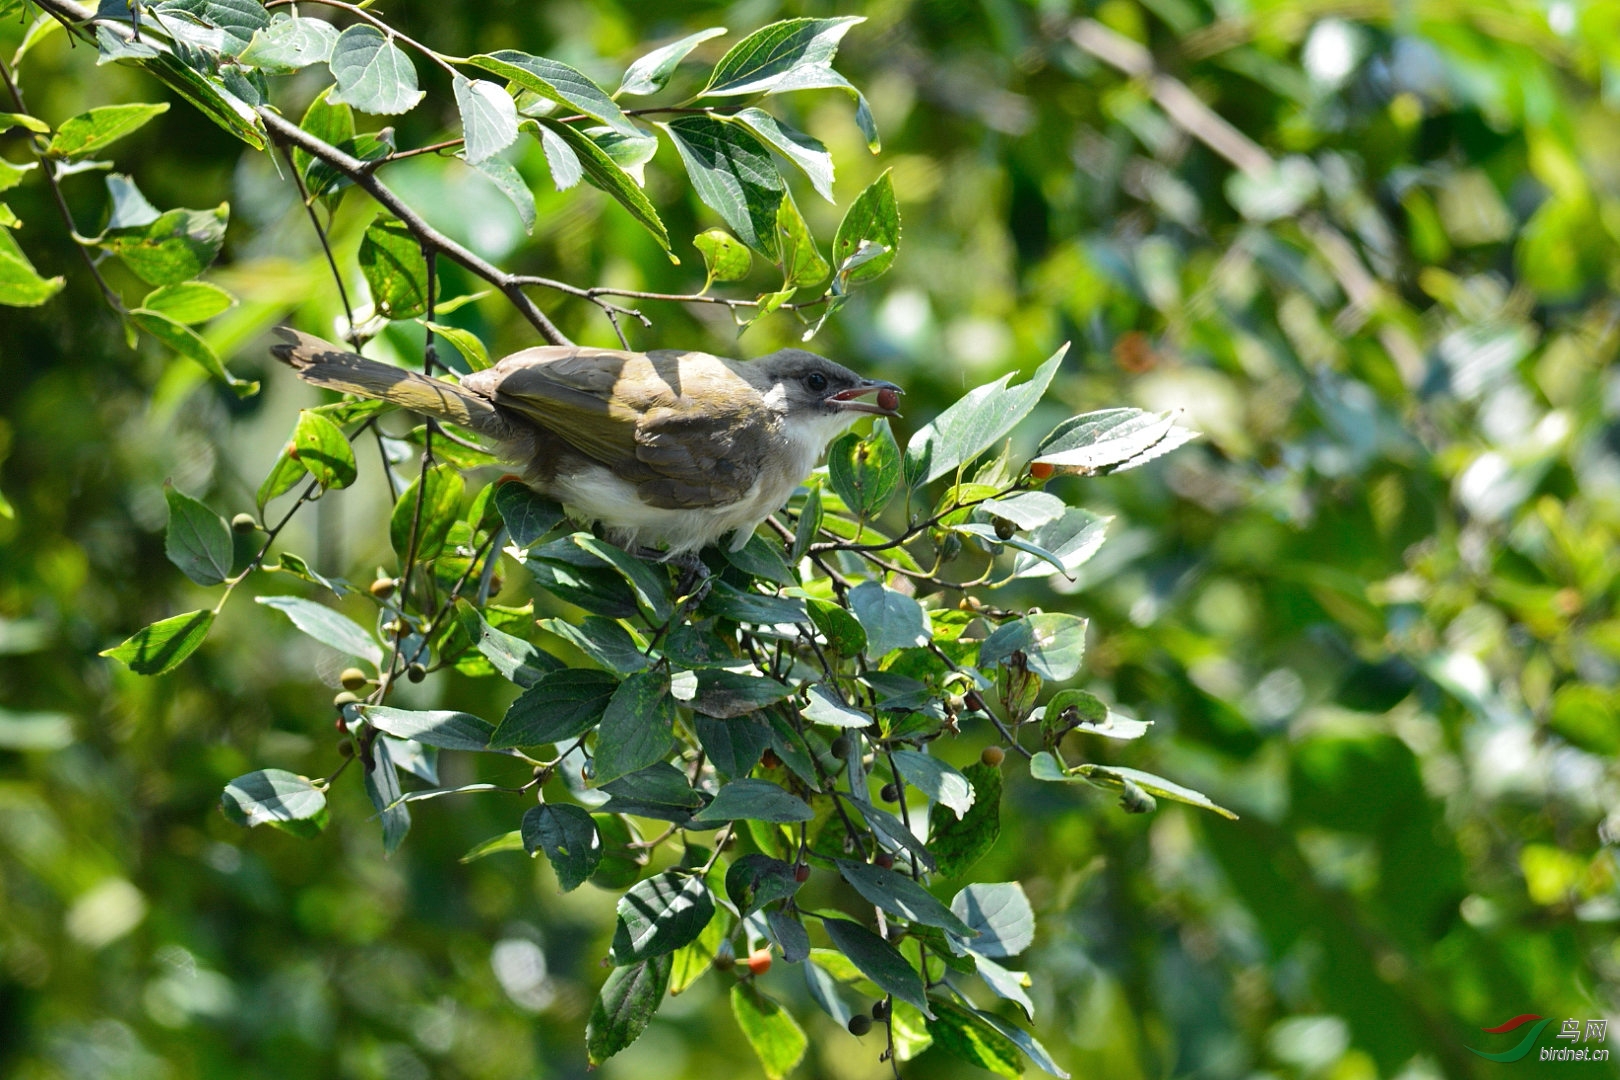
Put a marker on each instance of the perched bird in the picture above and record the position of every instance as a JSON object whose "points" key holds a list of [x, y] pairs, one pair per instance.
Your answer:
{"points": [[671, 449]]}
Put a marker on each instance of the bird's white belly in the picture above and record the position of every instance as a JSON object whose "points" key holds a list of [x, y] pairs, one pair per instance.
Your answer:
{"points": [[596, 493]]}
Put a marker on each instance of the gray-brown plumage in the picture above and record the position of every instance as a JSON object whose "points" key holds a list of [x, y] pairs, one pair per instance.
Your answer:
{"points": [[663, 448]]}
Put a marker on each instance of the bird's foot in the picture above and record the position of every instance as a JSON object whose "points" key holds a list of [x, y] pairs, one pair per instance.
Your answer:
{"points": [[695, 580]]}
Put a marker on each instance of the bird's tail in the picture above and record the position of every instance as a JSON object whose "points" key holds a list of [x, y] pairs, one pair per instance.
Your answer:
{"points": [[323, 364]]}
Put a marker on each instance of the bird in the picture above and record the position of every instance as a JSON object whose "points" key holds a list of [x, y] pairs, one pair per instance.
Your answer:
{"points": [[668, 451]]}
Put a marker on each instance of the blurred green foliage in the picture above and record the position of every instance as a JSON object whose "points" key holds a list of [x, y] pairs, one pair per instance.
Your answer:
{"points": [[1374, 610]]}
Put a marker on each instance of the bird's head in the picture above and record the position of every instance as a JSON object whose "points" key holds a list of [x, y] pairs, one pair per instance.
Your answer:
{"points": [[814, 392]]}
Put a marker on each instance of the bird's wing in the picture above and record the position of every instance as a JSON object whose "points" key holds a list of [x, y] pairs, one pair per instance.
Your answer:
{"points": [[699, 460], [583, 396], [670, 423]]}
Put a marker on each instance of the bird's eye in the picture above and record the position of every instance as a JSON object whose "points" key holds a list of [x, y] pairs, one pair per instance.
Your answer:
{"points": [[816, 381]]}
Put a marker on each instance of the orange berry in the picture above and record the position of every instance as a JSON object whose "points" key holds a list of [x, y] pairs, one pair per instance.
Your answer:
{"points": [[759, 961], [1041, 470]]}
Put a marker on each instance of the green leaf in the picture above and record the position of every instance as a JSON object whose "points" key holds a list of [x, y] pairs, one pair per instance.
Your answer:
{"points": [[298, 568], [841, 629], [760, 558], [899, 895], [395, 269], [323, 450], [373, 74], [658, 791], [1112, 440], [466, 343], [802, 262], [630, 152], [659, 915], [1063, 545], [327, 626], [528, 516], [626, 1005], [12, 175], [975, 423], [176, 247], [959, 842], [1025, 1042], [776, 1037], [91, 132], [43, 26], [732, 173], [556, 82], [489, 118], [1053, 644], [763, 59], [824, 990], [725, 258], [637, 726], [504, 176], [209, 95], [878, 961], [939, 781], [442, 728], [733, 747], [506, 841], [238, 19], [650, 586], [516, 659], [727, 694], [962, 1034], [275, 797], [893, 832], [158, 649], [692, 962], [1008, 985], [130, 207], [748, 799], [189, 344], [596, 590], [601, 639], [869, 236], [197, 540], [282, 478], [1091, 715], [564, 164], [805, 151], [865, 472], [441, 507], [651, 73], [756, 880], [1000, 913], [189, 302], [563, 705], [605, 173], [1044, 766], [891, 620], [289, 45], [744, 606], [568, 836], [826, 707], [20, 283], [9, 120]]}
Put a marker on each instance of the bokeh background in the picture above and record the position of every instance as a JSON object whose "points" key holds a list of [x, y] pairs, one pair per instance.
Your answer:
{"points": [[1369, 247]]}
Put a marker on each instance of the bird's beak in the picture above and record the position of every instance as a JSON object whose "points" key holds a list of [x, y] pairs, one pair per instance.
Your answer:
{"points": [[886, 404]]}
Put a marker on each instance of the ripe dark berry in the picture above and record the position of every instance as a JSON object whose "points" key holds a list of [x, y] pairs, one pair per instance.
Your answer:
{"points": [[1041, 470], [841, 747], [860, 1023], [888, 400], [801, 873], [416, 673], [890, 793], [992, 756], [880, 1009], [973, 701], [884, 859], [759, 961], [1005, 530], [725, 957]]}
